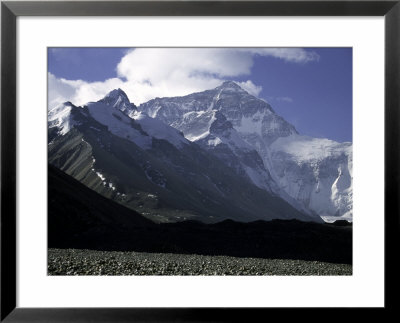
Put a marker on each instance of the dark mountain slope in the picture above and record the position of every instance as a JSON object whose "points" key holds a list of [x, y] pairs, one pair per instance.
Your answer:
{"points": [[76, 211], [81, 218]]}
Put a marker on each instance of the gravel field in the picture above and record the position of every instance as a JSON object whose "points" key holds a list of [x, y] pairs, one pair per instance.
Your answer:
{"points": [[114, 263]]}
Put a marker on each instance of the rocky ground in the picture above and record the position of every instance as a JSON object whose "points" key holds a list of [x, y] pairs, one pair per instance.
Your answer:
{"points": [[89, 262]]}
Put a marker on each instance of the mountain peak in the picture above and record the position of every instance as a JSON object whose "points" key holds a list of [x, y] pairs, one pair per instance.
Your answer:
{"points": [[68, 103], [118, 99], [230, 84], [116, 93], [62, 106]]}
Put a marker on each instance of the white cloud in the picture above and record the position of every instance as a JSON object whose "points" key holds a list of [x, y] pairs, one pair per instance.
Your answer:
{"points": [[250, 87], [59, 90], [78, 92], [293, 55], [158, 64], [158, 72], [146, 73]]}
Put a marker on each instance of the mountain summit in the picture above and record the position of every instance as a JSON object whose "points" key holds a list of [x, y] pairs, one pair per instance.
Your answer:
{"points": [[231, 85], [313, 174], [118, 99]]}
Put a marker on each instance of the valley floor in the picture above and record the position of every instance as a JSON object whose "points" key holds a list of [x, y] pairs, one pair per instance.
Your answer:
{"points": [[89, 262]]}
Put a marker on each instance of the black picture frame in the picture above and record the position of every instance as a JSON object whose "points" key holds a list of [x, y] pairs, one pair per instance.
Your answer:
{"points": [[10, 10]]}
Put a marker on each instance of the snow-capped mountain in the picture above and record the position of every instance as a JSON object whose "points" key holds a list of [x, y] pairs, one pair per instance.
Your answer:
{"points": [[148, 165], [60, 117], [119, 100], [312, 174]]}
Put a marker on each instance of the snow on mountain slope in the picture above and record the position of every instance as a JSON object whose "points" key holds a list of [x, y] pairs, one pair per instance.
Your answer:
{"points": [[159, 130], [119, 123], [121, 118], [119, 100], [60, 117], [237, 153], [194, 114], [198, 117], [305, 148], [195, 125], [211, 130], [317, 173]]}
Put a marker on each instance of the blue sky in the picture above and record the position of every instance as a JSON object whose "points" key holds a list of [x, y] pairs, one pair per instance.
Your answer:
{"points": [[89, 64], [310, 87]]}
